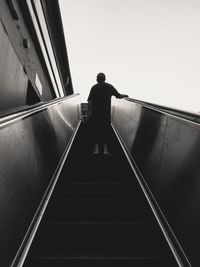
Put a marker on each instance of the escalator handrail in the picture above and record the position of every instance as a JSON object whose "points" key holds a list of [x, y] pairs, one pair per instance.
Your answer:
{"points": [[30, 110], [31, 232], [181, 114], [171, 239]]}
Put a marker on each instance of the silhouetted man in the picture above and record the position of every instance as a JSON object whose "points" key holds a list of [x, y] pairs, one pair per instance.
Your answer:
{"points": [[99, 107]]}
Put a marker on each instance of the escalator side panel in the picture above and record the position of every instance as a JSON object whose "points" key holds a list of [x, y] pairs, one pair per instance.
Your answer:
{"points": [[30, 151], [166, 151]]}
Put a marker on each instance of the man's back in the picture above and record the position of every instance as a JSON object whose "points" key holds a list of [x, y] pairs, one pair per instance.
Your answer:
{"points": [[99, 105], [100, 96]]}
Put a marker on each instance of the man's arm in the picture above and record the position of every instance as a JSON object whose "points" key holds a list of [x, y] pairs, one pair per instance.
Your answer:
{"points": [[121, 96], [116, 93]]}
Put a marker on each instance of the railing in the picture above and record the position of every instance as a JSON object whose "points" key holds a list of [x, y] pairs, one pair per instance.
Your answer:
{"points": [[27, 110], [34, 144], [162, 146], [176, 112]]}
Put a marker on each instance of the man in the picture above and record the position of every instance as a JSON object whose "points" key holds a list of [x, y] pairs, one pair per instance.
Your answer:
{"points": [[99, 108]]}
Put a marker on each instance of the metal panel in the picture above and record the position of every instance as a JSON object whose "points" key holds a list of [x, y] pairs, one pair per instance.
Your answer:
{"points": [[13, 80], [30, 152], [166, 149]]}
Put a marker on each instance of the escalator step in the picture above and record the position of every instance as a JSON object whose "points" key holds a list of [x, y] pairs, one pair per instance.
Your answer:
{"points": [[100, 262], [101, 176], [97, 190], [102, 210], [99, 240], [98, 216], [98, 166]]}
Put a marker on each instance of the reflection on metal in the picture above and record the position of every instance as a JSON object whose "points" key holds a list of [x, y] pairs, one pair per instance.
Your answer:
{"points": [[11, 119], [32, 145], [47, 41], [28, 239], [13, 80], [187, 115], [38, 84], [165, 148], [172, 241], [124, 113], [64, 119], [12, 9], [44, 40]]}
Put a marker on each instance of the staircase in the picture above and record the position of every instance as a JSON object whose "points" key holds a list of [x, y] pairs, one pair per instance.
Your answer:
{"points": [[98, 216]]}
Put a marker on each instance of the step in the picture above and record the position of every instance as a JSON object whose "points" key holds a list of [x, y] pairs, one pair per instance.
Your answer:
{"points": [[83, 152], [97, 190], [99, 210], [100, 262], [99, 240], [110, 165], [94, 176], [98, 216]]}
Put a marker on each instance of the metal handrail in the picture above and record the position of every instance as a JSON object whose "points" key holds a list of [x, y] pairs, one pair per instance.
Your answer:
{"points": [[30, 110], [30, 234], [171, 239], [187, 115]]}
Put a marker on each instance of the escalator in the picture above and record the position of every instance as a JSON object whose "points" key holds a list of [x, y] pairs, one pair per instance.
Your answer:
{"points": [[98, 215]]}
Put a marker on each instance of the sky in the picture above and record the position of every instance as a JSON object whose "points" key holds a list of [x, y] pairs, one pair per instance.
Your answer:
{"points": [[148, 49]]}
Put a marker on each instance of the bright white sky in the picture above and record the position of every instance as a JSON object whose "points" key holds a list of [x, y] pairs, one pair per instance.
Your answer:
{"points": [[148, 49]]}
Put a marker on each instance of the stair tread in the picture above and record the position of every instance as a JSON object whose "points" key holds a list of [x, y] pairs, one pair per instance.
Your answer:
{"points": [[106, 240], [100, 262], [100, 176], [99, 210], [98, 216], [97, 190]]}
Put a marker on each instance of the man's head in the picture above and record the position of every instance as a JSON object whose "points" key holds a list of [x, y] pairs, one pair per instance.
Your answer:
{"points": [[101, 77]]}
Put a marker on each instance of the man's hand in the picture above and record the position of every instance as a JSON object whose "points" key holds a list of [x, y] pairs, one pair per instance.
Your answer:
{"points": [[123, 96]]}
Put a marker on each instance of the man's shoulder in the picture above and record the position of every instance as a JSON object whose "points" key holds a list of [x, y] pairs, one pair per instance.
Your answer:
{"points": [[102, 84], [109, 85], [95, 86]]}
